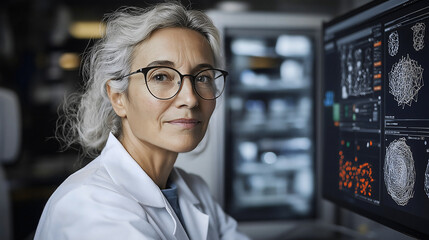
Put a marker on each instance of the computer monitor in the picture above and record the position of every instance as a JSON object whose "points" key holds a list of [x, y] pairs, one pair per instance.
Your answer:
{"points": [[375, 97]]}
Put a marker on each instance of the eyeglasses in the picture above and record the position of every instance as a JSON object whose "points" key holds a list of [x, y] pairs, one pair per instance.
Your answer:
{"points": [[165, 82]]}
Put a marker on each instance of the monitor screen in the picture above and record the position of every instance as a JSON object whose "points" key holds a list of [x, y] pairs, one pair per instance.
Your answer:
{"points": [[375, 93]]}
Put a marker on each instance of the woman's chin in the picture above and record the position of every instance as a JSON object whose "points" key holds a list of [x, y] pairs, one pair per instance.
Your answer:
{"points": [[184, 149], [184, 146]]}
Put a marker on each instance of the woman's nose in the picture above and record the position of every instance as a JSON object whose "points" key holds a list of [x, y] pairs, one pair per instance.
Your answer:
{"points": [[187, 95]]}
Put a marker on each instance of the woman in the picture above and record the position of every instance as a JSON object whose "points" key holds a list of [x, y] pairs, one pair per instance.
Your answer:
{"points": [[152, 87]]}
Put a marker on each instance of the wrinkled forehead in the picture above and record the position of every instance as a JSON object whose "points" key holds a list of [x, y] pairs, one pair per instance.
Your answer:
{"points": [[180, 46]]}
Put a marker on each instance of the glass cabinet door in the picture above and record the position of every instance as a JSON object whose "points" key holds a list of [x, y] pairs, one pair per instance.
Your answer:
{"points": [[269, 158]]}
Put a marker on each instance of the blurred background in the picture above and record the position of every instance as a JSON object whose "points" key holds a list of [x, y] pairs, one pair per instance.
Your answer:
{"points": [[260, 154]]}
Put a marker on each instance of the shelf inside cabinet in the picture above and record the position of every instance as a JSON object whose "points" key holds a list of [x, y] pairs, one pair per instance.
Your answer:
{"points": [[283, 165], [272, 200], [270, 89], [271, 128]]}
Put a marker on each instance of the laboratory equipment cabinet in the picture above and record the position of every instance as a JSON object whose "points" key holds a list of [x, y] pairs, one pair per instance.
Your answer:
{"points": [[269, 116]]}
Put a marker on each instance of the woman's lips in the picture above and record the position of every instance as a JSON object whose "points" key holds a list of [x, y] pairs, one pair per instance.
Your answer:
{"points": [[186, 123]]}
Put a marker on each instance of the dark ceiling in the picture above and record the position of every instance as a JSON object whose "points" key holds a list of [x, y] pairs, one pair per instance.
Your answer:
{"points": [[97, 8]]}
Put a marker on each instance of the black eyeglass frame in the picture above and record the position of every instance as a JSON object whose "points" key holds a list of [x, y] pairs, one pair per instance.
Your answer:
{"points": [[191, 78]]}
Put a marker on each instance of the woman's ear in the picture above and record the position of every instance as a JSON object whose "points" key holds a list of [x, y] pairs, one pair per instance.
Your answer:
{"points": [[117, 100]]}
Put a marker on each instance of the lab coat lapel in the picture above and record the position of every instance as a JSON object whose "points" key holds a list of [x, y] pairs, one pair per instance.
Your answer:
{"points": [[197, 222], [165, 223]]}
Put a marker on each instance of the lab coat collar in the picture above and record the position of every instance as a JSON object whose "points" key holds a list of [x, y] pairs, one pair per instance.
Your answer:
{"points": [[183, 188], [126, 173]]}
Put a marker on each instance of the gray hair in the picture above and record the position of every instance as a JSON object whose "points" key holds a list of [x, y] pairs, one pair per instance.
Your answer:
{"points": [[88, 117]]}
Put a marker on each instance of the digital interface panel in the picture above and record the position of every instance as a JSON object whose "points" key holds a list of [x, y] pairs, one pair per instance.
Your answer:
{"points": [[376, 113]]}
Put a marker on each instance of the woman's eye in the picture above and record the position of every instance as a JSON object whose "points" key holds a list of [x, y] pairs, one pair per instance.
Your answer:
{"points": [[160, 77], [204, 79]]}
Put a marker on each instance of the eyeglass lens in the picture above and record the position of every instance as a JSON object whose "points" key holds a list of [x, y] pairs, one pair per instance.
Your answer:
{"points": [[164, 83]]}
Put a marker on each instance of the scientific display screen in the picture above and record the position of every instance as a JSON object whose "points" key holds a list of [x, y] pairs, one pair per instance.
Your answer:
{"points": [[376, 113]]}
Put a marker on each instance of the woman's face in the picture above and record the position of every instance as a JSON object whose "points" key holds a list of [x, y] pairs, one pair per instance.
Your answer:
{"points": [[178, 124]]}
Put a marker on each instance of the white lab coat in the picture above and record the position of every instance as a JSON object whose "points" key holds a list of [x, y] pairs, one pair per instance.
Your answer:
{"points": [[113, 198]]}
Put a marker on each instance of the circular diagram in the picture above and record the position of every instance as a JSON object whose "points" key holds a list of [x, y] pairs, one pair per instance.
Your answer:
{"points": [[399, 172], [418, 36], [393, 43], [405, 81]]}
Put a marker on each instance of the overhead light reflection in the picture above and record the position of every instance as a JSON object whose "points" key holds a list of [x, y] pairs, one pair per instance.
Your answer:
{"points": [[87, 29], [69, 61]]}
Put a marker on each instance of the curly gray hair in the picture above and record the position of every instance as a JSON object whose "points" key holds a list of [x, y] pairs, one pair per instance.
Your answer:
{"points": [[88, 117]]}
